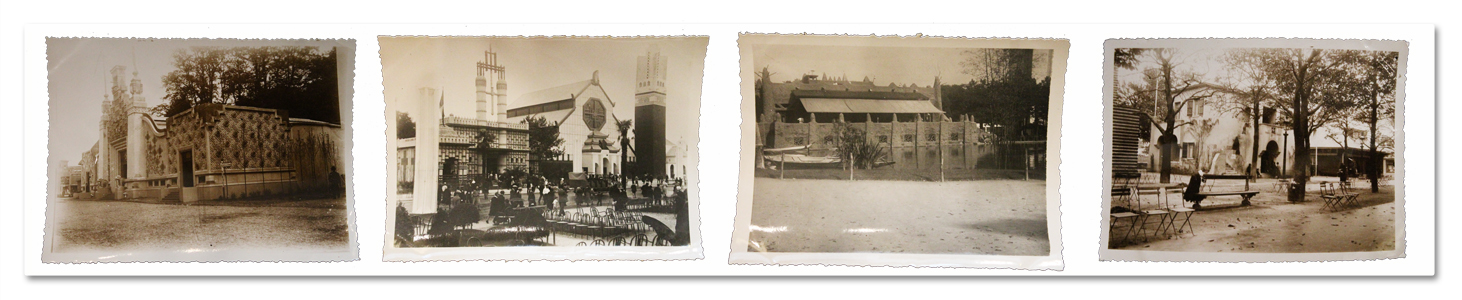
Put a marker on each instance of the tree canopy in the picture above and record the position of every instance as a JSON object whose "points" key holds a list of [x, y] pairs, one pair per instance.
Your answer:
{"points": [[405, 127], [1309, 89], [543, 139], [300, 80], [1006, 96]]}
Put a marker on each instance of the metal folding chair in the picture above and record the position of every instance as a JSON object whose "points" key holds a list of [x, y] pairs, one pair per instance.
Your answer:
{"points": [[1130, 228]]}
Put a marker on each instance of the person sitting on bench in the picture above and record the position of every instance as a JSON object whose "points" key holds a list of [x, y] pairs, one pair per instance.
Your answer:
{"points": [[1195, 186]]}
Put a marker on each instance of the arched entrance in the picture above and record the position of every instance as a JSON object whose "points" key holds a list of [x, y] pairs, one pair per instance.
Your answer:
{"points": [[606, 166], [1267, 159]]}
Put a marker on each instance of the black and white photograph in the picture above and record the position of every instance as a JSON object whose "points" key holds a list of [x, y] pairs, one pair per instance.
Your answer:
{"points": [[900, 151], [1254, 150], [542, 147], [199, 150]]}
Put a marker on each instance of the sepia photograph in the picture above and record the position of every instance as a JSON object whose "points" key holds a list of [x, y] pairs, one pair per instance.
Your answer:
{"points": [[199, 150], [868, 148], [503, 142], [1253, 147]]}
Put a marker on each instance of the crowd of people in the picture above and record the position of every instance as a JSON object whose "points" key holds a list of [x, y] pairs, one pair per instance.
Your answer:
{"points": [[460, 204]]}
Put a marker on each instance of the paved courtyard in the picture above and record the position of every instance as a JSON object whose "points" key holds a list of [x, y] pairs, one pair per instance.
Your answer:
{"points": [[996, 217], [85, 225]]}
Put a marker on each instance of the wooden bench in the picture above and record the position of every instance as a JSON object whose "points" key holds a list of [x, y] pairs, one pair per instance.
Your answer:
{"points": [[1246, 193]]}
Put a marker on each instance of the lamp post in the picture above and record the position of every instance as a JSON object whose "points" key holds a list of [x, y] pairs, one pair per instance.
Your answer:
{"points": [[1284, 168]]}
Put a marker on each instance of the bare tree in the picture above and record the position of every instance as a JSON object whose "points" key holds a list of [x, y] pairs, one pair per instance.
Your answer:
{"points": [[1377, 72], [1249, 91], [1309, 79], [1202, 129], [1172, 90]]}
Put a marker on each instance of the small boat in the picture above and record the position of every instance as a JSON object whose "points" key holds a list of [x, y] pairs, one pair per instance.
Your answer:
{"points": [[798, 161], [781, 158]]}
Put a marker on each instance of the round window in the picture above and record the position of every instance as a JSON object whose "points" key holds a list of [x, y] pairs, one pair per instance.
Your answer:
{"points": [[594, 114]]}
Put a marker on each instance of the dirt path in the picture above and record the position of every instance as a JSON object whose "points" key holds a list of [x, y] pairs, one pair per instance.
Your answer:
{"points": [[1002, 217], [1273, 225], [94, 225]]}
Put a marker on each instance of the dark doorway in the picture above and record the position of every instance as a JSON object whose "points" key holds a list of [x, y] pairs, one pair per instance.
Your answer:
{"points": [[185, 168], [1271, 151], [122, 163]]}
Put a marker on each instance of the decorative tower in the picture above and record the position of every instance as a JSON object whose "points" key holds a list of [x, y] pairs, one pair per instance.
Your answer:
{"points": [[137, 130], [103, 156], [502, 94], [650, 113], [489, 70], [938, 98], [482, 88]]}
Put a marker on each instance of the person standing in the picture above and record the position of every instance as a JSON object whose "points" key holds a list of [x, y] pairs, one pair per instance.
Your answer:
{"points": [[548, 198], [337, 186]]}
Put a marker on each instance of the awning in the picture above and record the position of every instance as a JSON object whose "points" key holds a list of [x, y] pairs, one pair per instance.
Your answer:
{"points": [[826, 105]]}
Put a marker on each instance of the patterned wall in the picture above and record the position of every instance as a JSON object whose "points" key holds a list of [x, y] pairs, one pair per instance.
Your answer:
{"points": [[161, 153], [116, 121], [905, 134], [314, 150], [245, 138], [249, 139]]}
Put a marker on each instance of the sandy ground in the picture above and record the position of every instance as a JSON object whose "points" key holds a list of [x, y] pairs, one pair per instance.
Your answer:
{"points": [[1274, 225], [298, 224], [999, 217]]}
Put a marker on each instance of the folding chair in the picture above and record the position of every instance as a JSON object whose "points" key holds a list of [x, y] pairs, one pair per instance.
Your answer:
{"points": [[1124, 188], [1348, 195], [1127, 233], [1162, 215], [1331, 193], [1186, 213], [1282, 185]]}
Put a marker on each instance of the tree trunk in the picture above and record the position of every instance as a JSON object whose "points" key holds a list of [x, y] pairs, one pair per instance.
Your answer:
{"points": [[1254, 156], [1373, 167], [625, 154], [1166, 142], [1301, 127]]}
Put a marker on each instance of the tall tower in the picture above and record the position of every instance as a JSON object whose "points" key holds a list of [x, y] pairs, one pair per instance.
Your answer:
{"points": [[489, 70], [938, 98], [137, 130], [650, 113], [502, 97]]}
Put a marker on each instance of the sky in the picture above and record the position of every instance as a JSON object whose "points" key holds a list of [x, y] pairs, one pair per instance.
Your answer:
{"points": [[79, 79], [901, 65], [533, 64]]}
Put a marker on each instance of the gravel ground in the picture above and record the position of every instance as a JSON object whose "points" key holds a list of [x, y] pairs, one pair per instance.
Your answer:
{"points": [[1274, 225], [300, 224], [999, 217]]}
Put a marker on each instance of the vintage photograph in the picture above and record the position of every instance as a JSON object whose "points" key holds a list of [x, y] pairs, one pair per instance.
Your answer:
{"points": [[564, 142], [1252, 147], [899, 145], [199, 150]]}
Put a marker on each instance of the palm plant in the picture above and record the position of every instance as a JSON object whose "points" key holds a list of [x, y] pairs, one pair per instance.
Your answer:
{"points": [[854, 148], [624, 127]]}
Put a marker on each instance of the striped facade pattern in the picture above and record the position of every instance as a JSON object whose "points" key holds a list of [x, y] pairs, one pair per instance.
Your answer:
{"points": [[1126, 128]]}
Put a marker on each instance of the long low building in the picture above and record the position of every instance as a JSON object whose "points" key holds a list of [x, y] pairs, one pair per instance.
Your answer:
{"points": [[209, 152]]}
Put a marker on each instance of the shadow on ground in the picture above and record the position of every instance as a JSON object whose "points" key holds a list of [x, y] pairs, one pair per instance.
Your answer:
{"points": [[1034, 229]]}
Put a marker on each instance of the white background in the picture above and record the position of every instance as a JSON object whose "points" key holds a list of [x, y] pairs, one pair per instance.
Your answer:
{"points": [[22, 103]]}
